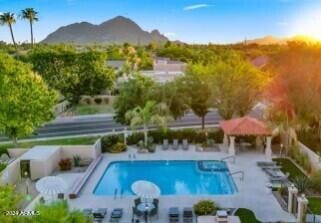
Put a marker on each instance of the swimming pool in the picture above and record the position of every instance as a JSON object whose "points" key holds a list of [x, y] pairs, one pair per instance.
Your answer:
{"points": [[172, 177]]}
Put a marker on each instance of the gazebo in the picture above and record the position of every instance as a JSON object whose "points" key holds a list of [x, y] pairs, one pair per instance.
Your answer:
{"points": [[245, 126]]}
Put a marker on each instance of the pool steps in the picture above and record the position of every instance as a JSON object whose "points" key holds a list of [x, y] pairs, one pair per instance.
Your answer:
{"points": [[78, 185]]}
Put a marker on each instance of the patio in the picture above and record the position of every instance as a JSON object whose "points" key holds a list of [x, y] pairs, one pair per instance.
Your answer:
{"points": [[252, 191]]}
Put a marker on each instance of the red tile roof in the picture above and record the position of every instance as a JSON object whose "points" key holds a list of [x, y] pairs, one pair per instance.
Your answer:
{"points": [[245, 126]]}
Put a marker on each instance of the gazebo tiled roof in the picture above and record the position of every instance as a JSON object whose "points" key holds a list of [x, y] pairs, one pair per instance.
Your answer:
{"points": [[245, 126]]}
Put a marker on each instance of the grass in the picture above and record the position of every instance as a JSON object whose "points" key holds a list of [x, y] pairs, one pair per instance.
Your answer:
{"points": [[246, 216], [2, 167], [287, 166], [315, 205], [68, 141], [92, 109]]}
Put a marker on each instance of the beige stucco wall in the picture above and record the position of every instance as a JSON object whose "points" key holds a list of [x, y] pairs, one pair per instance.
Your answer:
{"points": [[16, 152], [314, 158]]}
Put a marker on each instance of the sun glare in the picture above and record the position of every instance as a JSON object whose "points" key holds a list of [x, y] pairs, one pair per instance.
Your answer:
{"points": [[308, 25]]}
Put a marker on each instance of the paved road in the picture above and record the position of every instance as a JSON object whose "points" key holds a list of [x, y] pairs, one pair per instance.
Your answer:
{"points": [[95, 124]]}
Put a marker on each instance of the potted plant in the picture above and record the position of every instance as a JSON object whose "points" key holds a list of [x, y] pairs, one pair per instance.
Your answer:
{"points": [[65, 164]]}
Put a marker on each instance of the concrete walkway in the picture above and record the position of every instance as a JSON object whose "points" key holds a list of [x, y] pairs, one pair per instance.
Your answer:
{"points": [[252, 192]]}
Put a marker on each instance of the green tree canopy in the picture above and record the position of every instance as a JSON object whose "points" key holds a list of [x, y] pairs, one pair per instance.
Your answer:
{"points": [[132, 93], [73, 74], [26, 101]]}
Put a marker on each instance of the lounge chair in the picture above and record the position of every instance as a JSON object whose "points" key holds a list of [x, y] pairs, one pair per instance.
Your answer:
{"points": [[188, 215], [173, 215], [175, 144], [165, 144], [185, 144], [116, 215], [274, 173], [275, 168], [87, 212], [100, 213], [222, 216]]}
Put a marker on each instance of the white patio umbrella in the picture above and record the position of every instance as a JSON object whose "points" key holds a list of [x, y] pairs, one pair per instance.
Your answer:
{"points": [[51, 186], [146, 190]]}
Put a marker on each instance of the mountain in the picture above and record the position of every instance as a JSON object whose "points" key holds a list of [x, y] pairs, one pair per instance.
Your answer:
{"points": [[117, 30], [267, 40]]}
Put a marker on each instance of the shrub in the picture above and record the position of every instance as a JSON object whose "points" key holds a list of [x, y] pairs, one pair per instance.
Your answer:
{"points": [[301, 183], [77, 159], [107, 142], [135, 138], [118, 148], [205, 207], [65, 164], [98, 101], [316, 181]]}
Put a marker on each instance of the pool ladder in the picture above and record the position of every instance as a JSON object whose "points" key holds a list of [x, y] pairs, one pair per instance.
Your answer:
{"points": [[229, 157], [239, 172], [116, 192]]}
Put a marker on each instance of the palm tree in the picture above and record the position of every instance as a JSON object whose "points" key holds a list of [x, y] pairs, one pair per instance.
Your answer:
{"points": [[9, 19], [151, 113], [31, 15]]}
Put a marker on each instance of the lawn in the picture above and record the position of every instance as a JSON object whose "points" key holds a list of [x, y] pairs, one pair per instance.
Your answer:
{"points": [[246, 216], [315, 205], [2, 167], [287, 166], [92, 109], [68, 141]]}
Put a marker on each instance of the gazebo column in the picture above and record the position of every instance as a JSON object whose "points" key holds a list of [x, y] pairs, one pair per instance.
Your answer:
{"points": [[231, 148], [268, 149], [225, 141]]}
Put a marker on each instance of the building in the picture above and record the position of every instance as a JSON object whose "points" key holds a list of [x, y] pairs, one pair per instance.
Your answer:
{"points": [[165, 69]]}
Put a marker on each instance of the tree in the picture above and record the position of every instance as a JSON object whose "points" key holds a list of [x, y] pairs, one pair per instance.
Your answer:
{"points": [[173, 95], [132, 93], [26, 101], [58, 212], [8, 19], [199, 94], [31, 15], [73, 74], [150, 113]]}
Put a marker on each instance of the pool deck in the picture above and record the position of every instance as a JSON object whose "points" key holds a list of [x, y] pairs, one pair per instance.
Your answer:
{"points": [[252, 191]]}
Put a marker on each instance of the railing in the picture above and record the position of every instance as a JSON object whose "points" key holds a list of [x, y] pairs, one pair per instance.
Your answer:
{"points": [[229, 157], [239, 172]]}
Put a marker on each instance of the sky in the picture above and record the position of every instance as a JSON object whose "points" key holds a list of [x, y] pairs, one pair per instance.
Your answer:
{"points": [[191, 21]]}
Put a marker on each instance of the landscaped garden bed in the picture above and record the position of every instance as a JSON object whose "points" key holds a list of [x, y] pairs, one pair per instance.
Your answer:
{"points": [[315, 205]]}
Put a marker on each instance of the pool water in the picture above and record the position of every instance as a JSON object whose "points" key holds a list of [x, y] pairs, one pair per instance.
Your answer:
{"points": [[172, 177]]}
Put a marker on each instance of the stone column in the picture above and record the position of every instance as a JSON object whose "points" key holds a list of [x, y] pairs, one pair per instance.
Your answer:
{"points": [[225, 141], [268, 149], [302, 208], [125, 135], [231, 148], [293, 191]]}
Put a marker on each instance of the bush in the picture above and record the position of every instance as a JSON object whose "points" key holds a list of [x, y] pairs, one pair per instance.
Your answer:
{"points": [[65, 164], [316, 181], [301, 183], [108, 142], [118, 148], [76, 159], [205, 207], [98, 101]]}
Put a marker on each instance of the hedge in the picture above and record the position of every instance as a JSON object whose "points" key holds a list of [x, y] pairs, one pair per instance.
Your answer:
{"points": [[192, 135]]}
